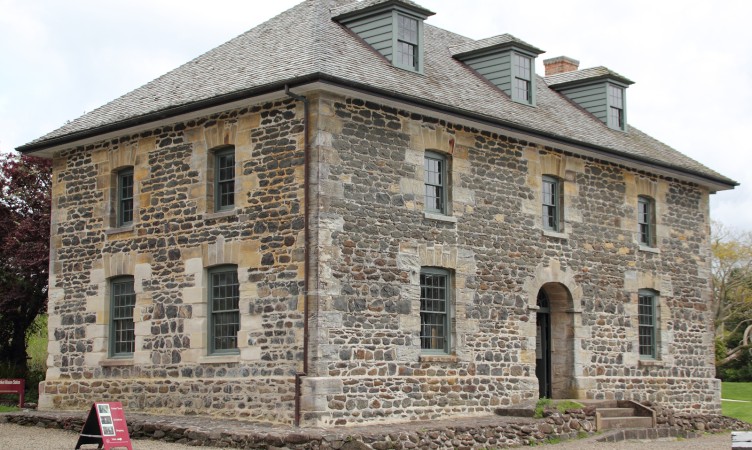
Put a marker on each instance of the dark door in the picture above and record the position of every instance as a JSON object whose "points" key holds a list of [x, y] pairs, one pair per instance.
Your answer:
{"points": [[543, 346]]}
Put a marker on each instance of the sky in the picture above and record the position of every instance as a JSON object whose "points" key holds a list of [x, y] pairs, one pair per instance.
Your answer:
{"points": [[691, 61]]}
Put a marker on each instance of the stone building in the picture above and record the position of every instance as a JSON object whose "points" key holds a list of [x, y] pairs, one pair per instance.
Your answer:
{"points": [[348, 215]]}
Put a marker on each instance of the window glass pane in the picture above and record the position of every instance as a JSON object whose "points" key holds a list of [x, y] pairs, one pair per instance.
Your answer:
{"points": [[125, 197], [225, 180], [123, 328], [647, 325], [645, 220], [407, 42], [225, 315], [433, 311], [435, 173], [550, 200]]}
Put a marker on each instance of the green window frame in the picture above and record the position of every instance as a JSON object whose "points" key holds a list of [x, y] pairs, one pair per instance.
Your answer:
{"points": [[522, 87], [224, 179], [616, 107], [407, 52], [647, 313], [122, 328], [646, 220], [224, 312], [435, 179], [435, 303], [552, 203], [125, 197]]}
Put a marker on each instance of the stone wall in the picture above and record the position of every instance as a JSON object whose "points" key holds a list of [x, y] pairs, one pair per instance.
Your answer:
{"points": [[374, 237], [370, 237], [175, 237]]}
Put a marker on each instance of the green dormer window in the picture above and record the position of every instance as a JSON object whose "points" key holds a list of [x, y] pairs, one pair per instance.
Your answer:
{"points": [[615, 107], [394, 28], [522, 88], [598, 90], [505, 61], [407, 42]]}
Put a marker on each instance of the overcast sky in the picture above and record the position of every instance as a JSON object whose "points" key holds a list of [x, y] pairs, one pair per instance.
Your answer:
{"points": [[691, 61]]}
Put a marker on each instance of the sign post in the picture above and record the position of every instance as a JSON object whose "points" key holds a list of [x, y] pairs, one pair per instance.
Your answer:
{"points": [[106, 427], [14, 386]]}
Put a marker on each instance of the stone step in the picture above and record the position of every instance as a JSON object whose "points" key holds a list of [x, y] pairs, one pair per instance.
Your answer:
{"points": [[610, 423], [616, 412], [599, 403]]}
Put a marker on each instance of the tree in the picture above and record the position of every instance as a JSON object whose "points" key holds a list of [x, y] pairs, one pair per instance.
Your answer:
{"points": [[25, 185], [732, 299]]}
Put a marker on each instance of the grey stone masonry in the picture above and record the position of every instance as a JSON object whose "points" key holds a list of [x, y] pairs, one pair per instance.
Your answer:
{"points": [[369, 237]]}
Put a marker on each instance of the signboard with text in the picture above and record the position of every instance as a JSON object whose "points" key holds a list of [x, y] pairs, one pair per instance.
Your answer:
{"points": [[106, 427], [14, 386]]}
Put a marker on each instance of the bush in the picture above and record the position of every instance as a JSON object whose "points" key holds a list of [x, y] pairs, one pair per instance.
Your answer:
{"points": [[36, 350]]}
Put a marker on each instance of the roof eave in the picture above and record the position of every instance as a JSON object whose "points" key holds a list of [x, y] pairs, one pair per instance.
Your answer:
{"points": [[714, 183]]}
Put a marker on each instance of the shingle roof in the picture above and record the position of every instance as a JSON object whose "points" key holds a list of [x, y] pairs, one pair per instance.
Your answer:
{"points": [[365, 5], [489, 43], [304, 43], [593, 73]]}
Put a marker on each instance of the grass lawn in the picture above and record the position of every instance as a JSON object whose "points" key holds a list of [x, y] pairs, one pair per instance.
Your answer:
{"points": [[737, 391], [4, 408]]}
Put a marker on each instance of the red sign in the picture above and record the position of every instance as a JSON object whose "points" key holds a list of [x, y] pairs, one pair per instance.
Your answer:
{"points": [[14, 386], [106, 427]]}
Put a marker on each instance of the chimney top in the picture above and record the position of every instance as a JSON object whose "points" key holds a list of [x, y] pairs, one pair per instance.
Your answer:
{"points": [[560, 64]]}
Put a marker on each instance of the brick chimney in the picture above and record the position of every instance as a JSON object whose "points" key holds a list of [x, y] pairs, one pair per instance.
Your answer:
{"points": [[560, 64]]}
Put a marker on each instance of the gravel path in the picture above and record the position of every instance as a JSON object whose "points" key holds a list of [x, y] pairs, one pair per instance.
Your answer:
{"points": [[16, 437]]}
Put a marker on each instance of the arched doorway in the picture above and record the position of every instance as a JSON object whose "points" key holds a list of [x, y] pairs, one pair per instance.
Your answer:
{"points": [[554, 351]]}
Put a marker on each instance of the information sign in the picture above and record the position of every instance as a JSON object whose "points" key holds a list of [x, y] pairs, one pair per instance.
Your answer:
{"points": [[14, 386], [106, 427]]}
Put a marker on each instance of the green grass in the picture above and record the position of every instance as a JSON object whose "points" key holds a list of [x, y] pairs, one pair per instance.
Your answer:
{"points": [[737, 391], [4, 408], [561, 405]]}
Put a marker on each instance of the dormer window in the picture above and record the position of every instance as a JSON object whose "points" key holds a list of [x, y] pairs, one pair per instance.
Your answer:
{"points": [[407, 42], [505, 61], [393, 28], [522, 89], [615, 107], [598, 90]]}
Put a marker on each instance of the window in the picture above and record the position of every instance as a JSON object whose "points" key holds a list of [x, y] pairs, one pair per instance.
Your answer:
{"points": [[224, 179], [615, 107], [122, 329], [125, 197], [522, 81], [434, 310], [223, 310], [435, 167], [552, 203], [647, 311], [407, 43], [646, 221]]}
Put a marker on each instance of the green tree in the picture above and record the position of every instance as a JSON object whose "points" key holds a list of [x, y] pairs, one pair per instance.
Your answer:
{"points": [[732, 301]]}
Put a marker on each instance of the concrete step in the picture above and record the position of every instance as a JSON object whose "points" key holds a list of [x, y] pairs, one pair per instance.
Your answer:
{"points": [[610, 423], [616, 412]]}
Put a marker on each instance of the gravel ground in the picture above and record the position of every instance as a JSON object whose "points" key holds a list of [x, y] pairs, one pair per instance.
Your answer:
{"points": [[16, 437]]}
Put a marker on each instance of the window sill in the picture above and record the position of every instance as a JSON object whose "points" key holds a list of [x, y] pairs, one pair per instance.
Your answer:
{"points": [[118, 230], [438, 358], [220, 359], [651, 363], [555, 234], [644, 248], [221, 214], [439, 217], [116, 362]]}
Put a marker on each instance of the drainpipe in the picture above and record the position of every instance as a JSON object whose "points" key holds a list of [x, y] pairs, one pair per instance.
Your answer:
{"points": [[306, 264]]}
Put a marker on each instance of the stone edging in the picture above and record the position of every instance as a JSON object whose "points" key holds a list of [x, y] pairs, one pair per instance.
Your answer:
{"points": [[462, 433]]}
